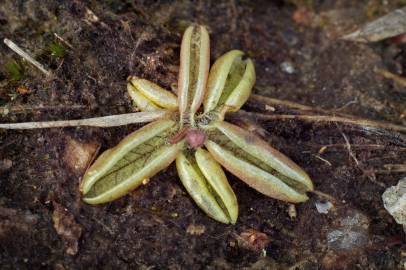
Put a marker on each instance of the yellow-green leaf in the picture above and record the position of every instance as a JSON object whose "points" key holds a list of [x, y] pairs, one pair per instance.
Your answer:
{"points": [[230, 83], [121, 169], [140, 101], [218, 182], [258, 164], [148, 95], [206, 183], [193, 70]]}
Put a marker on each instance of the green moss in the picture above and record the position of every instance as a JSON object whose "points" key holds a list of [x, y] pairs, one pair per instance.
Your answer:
{"points": [[14, 70], [57, 50]]}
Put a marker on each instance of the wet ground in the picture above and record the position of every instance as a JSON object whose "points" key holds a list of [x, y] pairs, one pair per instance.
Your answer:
{"points": [[93, 46]]}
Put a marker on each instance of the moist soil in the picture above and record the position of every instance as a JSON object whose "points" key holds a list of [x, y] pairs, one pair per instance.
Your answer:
{"points": [[91, 47]]}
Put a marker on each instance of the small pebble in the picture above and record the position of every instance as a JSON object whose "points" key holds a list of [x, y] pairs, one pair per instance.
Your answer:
{"points": [[394, 201], [287, 67], [292, 211], [5, 164], [323, 207]]}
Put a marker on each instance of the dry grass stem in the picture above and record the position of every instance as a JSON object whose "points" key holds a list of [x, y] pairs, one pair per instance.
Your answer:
{"points": [[28, 108], [105, 121], [26, 56]]}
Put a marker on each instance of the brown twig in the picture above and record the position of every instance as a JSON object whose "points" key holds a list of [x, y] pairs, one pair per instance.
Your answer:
{"points": [[370, 176], [275, 101], [325, 196], [400, 168], [323, 159], [392, 76], [63, 41], [271, 102], [321, 118], [348, 146], [361, 146]]}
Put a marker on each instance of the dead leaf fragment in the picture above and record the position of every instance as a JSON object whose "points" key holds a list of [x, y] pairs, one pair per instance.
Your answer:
{"points": [[15, 220], [253, 240], [67, 228], [22, 90], [388, 26], [79, 155], [194, 229], [303, 16]]}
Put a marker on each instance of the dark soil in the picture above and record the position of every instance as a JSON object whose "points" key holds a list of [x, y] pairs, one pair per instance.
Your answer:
{"points": [[44, 224]]}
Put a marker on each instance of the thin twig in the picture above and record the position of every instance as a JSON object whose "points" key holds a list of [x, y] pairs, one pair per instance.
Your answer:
{"points": [[392, 76], [362, 146], [26, 56], [347, 142], [105, 121], [320, 118], [325, 196], [275, 101], [296, 106], [63, 41], [400, 168], [323, 159]]}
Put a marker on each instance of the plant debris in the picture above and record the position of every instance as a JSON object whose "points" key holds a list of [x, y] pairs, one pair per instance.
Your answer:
{"points": [[394, 200], [79, 155], [67, 228], [253, 240], [388, 26]]}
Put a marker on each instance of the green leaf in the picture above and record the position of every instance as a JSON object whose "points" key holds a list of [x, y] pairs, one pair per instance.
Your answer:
{"points": [[139, 156], [149, 96], [230, 83], [258, 164], [206, 183], [193, 70]]}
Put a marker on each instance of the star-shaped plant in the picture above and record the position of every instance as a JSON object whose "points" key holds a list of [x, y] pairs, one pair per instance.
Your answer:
{"points": [[198, 139]]}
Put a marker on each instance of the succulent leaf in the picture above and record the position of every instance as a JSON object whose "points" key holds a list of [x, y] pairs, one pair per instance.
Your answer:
{"points": [[140, 155], [140, 101], [207, 184], [256, 163], [218, 182], [230, 83], [193, 71], [149, 96]]}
